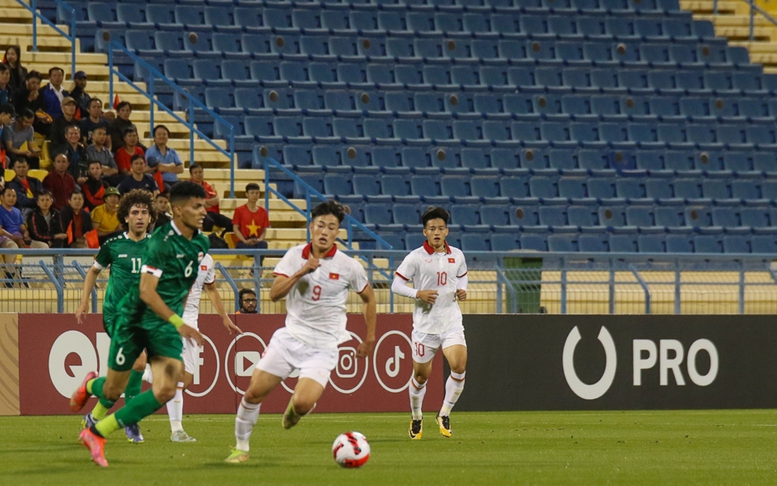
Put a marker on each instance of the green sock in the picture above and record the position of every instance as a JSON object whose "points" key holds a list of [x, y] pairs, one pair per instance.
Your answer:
{"points": [[133, 385], [136, 409], [101, 409], [107, 425], [95, 387]]}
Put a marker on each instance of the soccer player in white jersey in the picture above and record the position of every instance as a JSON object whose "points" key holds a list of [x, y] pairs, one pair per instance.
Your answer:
{"points": [[315, 279], [206, 277], [439, 274]]}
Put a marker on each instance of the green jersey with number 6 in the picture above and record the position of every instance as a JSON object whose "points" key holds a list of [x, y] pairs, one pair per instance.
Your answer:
{"points": [[174, 260], [124, 256]]}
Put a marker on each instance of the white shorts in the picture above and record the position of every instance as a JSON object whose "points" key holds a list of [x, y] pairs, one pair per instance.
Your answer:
{"points": [[425, 346], [190, 354], [285, 353]]}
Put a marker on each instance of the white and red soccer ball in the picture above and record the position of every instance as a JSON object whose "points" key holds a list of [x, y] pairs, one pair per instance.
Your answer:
{"points": [[351, 450]]}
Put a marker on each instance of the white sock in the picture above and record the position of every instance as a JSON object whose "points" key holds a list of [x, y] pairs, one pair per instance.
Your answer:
{"points": [[417, 393], [247, 415], [147, 375], [453, 388], [175, 409]]}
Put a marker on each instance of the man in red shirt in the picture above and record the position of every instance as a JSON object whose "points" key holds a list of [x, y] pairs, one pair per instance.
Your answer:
{"points": [[214, 216], [250, 222], [59, 182]]}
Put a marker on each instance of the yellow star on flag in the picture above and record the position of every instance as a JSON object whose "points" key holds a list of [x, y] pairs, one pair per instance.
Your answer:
{"points": [[253, 227]]}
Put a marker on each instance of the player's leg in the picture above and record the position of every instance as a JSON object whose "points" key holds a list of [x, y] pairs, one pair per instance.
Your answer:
{"points": [[175, 406], [262, 383], [455, 352], [133, 389], [315, 365], [424, 348]]}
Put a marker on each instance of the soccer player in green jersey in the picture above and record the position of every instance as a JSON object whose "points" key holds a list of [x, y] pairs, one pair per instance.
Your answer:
{"points": [[123, 255], [150, 318]]}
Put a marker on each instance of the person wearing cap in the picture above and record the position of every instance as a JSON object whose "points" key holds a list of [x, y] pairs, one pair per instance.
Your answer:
{"points": [[79, 94], [57, 132], [53, 93], [105, 218]]}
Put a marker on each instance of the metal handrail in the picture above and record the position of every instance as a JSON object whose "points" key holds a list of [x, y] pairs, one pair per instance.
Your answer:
{"points": [[753, 9], [71, 36], [194, 103]]}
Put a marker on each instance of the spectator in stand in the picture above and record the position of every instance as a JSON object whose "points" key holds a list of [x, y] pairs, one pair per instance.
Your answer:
{"points": [[30, 98], [76, 154], [129, 149], [60, 125], [98, 151], [27, 188], [53, 93], [162, 208], [6, 118], [250, 222], [6, 93], [59, 182], [16, 134], [104, 218], [79, 94], [121, 123], [138, 179], [164, 159], [76, 222], [94, 187], [213, 216], [45, 225], [13, 232], [247, 300], [13, 59], [93, 119]]}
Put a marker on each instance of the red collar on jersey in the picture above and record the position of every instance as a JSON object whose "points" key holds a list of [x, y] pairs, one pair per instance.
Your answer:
{"points": [[329, 254], [430, 250]]}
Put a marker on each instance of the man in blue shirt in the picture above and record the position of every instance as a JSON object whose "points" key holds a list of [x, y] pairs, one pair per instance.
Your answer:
{"points": [[138, 179], [53, 93], [164, 159]]}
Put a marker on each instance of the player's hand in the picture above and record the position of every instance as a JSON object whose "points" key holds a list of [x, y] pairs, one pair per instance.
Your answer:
{"points": [[192, 334], [461, 294], [231, 327], [365, 349], [428, 296], [82, 308], [311, 265]]}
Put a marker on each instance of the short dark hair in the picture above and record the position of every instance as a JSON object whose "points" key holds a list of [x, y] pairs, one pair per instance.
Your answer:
{"points": [[34, 74], [77, 192], [163, 128], [162, 195], [20, 160], [194, 166], [252, 186], [130, 129], [122, 104], [89, 163], [136, 197], [56, 68], [136, 157], [6, 189], [67, 128], [7, 107], [99, 127], [26, 114], [435, 213], [3, 68], [243, 293], [96, 99], [185, 190], [330, 207], [44, 192]]}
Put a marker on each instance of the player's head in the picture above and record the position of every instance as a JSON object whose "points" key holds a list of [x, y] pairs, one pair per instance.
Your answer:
{"points": [[325, 222], [136, 211], [247, 301], [188, 204], [435, 221]]}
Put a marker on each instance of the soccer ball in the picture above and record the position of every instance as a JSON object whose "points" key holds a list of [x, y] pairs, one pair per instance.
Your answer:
{"points": [[351, 450]]}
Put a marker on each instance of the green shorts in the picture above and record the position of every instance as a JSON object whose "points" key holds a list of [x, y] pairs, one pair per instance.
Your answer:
{"points": [[109, 322], [153, 334]]}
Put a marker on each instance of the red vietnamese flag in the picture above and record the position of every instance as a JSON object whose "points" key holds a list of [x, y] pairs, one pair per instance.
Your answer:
{"points": [[116, 102], [334, 276], [451, 260]]}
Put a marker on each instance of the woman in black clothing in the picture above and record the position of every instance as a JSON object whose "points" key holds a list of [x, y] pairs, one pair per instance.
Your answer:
{"points": [[13, 58]]}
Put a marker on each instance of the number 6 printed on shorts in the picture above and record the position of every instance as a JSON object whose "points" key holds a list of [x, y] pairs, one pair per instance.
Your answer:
{"points": [[120, 359]]}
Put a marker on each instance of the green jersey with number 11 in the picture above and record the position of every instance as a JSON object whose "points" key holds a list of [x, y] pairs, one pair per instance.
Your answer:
{"points": [[123, 255], [174, 260]]}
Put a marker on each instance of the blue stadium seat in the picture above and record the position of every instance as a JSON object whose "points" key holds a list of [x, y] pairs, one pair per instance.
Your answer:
{"points": [[377, 213], [639, 216], [564, 243], [365, 185], [493, 215], [764, 244], [582, 216], [736, 244], [484, 186], [414, 240], [524, 215], [553, 216], [322, 155], [406, 214], [542, 187], [612, 216], [394, 185], [314, 180], [339, 185], [755, 217], [465, 215], [668, 216], [455, 186], [623, 243], [474, 242], [503, 242], [534, 242], [593, 243], [424, 185], [650, 243], [704, 244], [189, 15]]}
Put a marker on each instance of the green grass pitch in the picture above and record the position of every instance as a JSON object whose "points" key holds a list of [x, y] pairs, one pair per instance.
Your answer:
{"points": [[554, 448]]}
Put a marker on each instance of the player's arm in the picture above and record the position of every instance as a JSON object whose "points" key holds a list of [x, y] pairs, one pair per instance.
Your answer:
{"points": [[370, 312], [215, 299], [461, 287], [89, 282], [149, 295], [283, 284], [399, 287]]}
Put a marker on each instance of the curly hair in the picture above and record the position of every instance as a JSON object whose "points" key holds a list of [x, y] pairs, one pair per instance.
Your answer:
{"points": [[136, 197]]}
